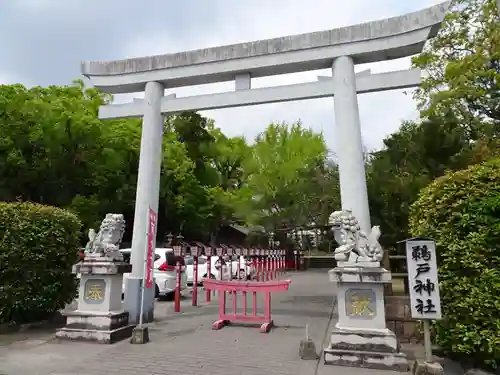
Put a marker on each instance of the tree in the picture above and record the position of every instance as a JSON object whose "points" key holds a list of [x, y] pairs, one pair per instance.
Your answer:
{"points": [[183, 199], [411, 158], [326, 192], [463, 66], [229, 159], [194, 131], [216, 193], [59, 153], [231, 196], [283, 176], [459, 108]]}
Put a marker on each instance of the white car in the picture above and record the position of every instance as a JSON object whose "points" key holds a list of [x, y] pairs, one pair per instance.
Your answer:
{"points": [[164, 273], [202, 269]]}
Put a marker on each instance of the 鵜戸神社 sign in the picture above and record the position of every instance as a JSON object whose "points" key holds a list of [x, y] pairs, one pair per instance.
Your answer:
{"points": [[423, 279]]}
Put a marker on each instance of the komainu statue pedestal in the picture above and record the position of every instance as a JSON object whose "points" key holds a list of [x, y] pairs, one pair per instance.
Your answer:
{"points": [[100, 317], [360, 337]]}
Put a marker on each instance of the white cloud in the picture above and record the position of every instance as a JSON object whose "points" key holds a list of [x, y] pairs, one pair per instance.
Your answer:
{"points": [[381, 113]]}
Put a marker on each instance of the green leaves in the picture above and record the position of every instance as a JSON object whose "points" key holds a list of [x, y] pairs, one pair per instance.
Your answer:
{"points": [[412, 157], [59, 153], [55, 149], [201, 176], [38, 246], [463, 63], [292, 183]]}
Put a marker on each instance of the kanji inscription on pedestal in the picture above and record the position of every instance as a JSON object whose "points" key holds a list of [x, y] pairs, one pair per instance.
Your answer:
{"points": [[95, 290], [360, 303]]}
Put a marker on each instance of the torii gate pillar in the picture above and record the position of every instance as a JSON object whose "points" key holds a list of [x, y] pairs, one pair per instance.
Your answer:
{"points": [[353, 192], [147, 196]]}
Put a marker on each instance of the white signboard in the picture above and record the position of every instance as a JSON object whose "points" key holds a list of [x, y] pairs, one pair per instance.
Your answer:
{"points": [[423, 279]]}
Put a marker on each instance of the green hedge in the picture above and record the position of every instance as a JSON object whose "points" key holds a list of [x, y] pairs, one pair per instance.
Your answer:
{"points": [[461, 211], [38, 246]]}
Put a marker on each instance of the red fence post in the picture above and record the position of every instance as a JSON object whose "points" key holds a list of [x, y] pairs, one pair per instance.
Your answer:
{"points": [[177, 301], [269, 274], [261, 265], [269, 266], [275, 263], [194, 294], [257, 264], [208, 293], [264, 266], [265, 275]]}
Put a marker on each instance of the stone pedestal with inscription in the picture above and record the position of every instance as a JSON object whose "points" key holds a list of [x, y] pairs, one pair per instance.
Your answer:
{"points": [[100, 317], [360, 337]]}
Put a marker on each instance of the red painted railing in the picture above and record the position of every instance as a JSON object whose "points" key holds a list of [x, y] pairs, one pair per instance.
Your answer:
{"points": [[243, 288]]}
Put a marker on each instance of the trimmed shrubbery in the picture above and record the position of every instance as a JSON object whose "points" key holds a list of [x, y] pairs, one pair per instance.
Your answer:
{"points": [[461, 211], [38, 246]]}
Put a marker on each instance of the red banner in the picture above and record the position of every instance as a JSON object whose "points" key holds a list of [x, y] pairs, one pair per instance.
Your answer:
{"points": [[152, 219]]}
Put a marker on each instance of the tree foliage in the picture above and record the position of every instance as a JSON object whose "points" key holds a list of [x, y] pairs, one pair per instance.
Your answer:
{"points": [[461, 211], [411, 158], [59, 153], [463, 66], [459, 123], [290, 177]]}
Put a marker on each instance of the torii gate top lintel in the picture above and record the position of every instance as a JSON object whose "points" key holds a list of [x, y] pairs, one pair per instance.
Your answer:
{"points": [[367, 42]]}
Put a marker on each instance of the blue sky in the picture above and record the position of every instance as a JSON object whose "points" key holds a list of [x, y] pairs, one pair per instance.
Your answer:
{"points": [[43, 42]]}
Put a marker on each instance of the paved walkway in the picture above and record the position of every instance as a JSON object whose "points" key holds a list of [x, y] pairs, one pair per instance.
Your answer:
{"points": [[184, 343]]}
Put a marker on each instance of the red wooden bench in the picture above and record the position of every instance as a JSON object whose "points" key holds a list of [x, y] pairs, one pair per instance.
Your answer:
{"points": [[244, 287]]}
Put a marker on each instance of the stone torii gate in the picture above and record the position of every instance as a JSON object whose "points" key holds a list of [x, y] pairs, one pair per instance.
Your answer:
{"points": [[338, 49]]}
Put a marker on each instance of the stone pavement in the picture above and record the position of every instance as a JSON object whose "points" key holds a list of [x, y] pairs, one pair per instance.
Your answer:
{"points": [[185, 343]]}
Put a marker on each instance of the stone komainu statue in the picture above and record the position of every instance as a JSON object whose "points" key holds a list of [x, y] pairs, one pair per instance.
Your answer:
{"points": [[355, 247], [106, 243]]}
